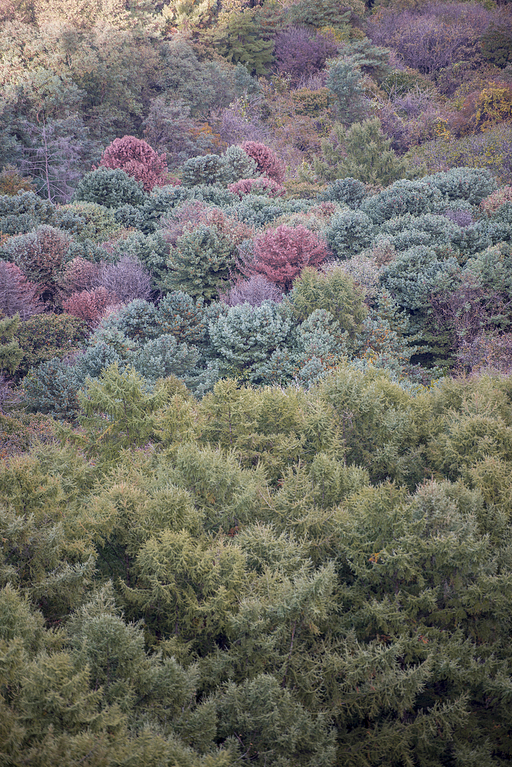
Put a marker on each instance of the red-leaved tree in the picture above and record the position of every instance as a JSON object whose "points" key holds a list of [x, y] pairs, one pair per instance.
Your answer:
{"points": [[91, 305], [138, 160], [266, 159], [281, 254]]}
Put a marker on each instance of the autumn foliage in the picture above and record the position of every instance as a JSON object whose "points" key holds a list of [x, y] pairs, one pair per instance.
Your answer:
{"points": [[266, 159], [261, 185], [91, 305], [138, 160], [281, 254]]}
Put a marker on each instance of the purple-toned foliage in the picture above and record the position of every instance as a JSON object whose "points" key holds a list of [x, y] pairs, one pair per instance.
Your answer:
{"points": [[186, 216], [495, 200], [127, 279], [460, 217], [195, 213], [469, 310], [235, 125], [41, 255], [170, 129], [414, 103], [17, 294], [281, 254], [77, 275], [488, 352], [253, 291], [54, 154], [438, 35], [300, 52]]}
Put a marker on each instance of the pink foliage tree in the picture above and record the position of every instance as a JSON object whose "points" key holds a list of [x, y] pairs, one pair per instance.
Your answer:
{"points": [[138, 160], [41, 256], [261, 185], [281, 254], [194, 213], [266, 159]]}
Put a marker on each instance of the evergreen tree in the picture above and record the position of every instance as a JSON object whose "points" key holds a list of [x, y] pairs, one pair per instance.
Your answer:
{"points": [[362, 152], [10, 352], [123, 409], [201, 263]]}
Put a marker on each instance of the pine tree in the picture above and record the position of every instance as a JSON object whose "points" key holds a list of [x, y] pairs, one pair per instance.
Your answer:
{"points": [[201, 263], [362, 152]]}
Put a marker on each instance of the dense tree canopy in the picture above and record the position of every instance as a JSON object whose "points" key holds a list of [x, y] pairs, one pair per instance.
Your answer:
{"points": [[256, 415]]}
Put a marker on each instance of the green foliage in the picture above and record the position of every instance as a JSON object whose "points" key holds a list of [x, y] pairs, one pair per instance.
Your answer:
{"points": [[399, 82], [52, 388], [362, 152], [344, 79], [349, 233], [258, 210], [496, 45], [406, 231], [164, 357], [108, 187], [470, 184], [182, 317], [87, 221], [346, 191], [326, 13], [376, 422], [488, 149], [201, 263], [151, 250], [180, 582], [333, 291], [246, 335], [245, 37], [371, 59], [40, 255], [414, 197], [10, 352], [46, 336], [24, 211], [413, 275], [267, 723], [237, 165], [118, 411], [205, 169], [12, 182], [296, 602]]}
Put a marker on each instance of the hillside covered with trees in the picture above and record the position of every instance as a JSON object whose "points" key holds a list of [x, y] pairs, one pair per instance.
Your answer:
{"points": [[256, 392]]}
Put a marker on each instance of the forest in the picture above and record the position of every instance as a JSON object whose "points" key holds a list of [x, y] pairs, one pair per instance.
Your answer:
{"points": [[255, 383]]}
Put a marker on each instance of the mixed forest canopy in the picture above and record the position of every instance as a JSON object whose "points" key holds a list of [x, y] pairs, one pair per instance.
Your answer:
{"points": [[255, 383]]}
